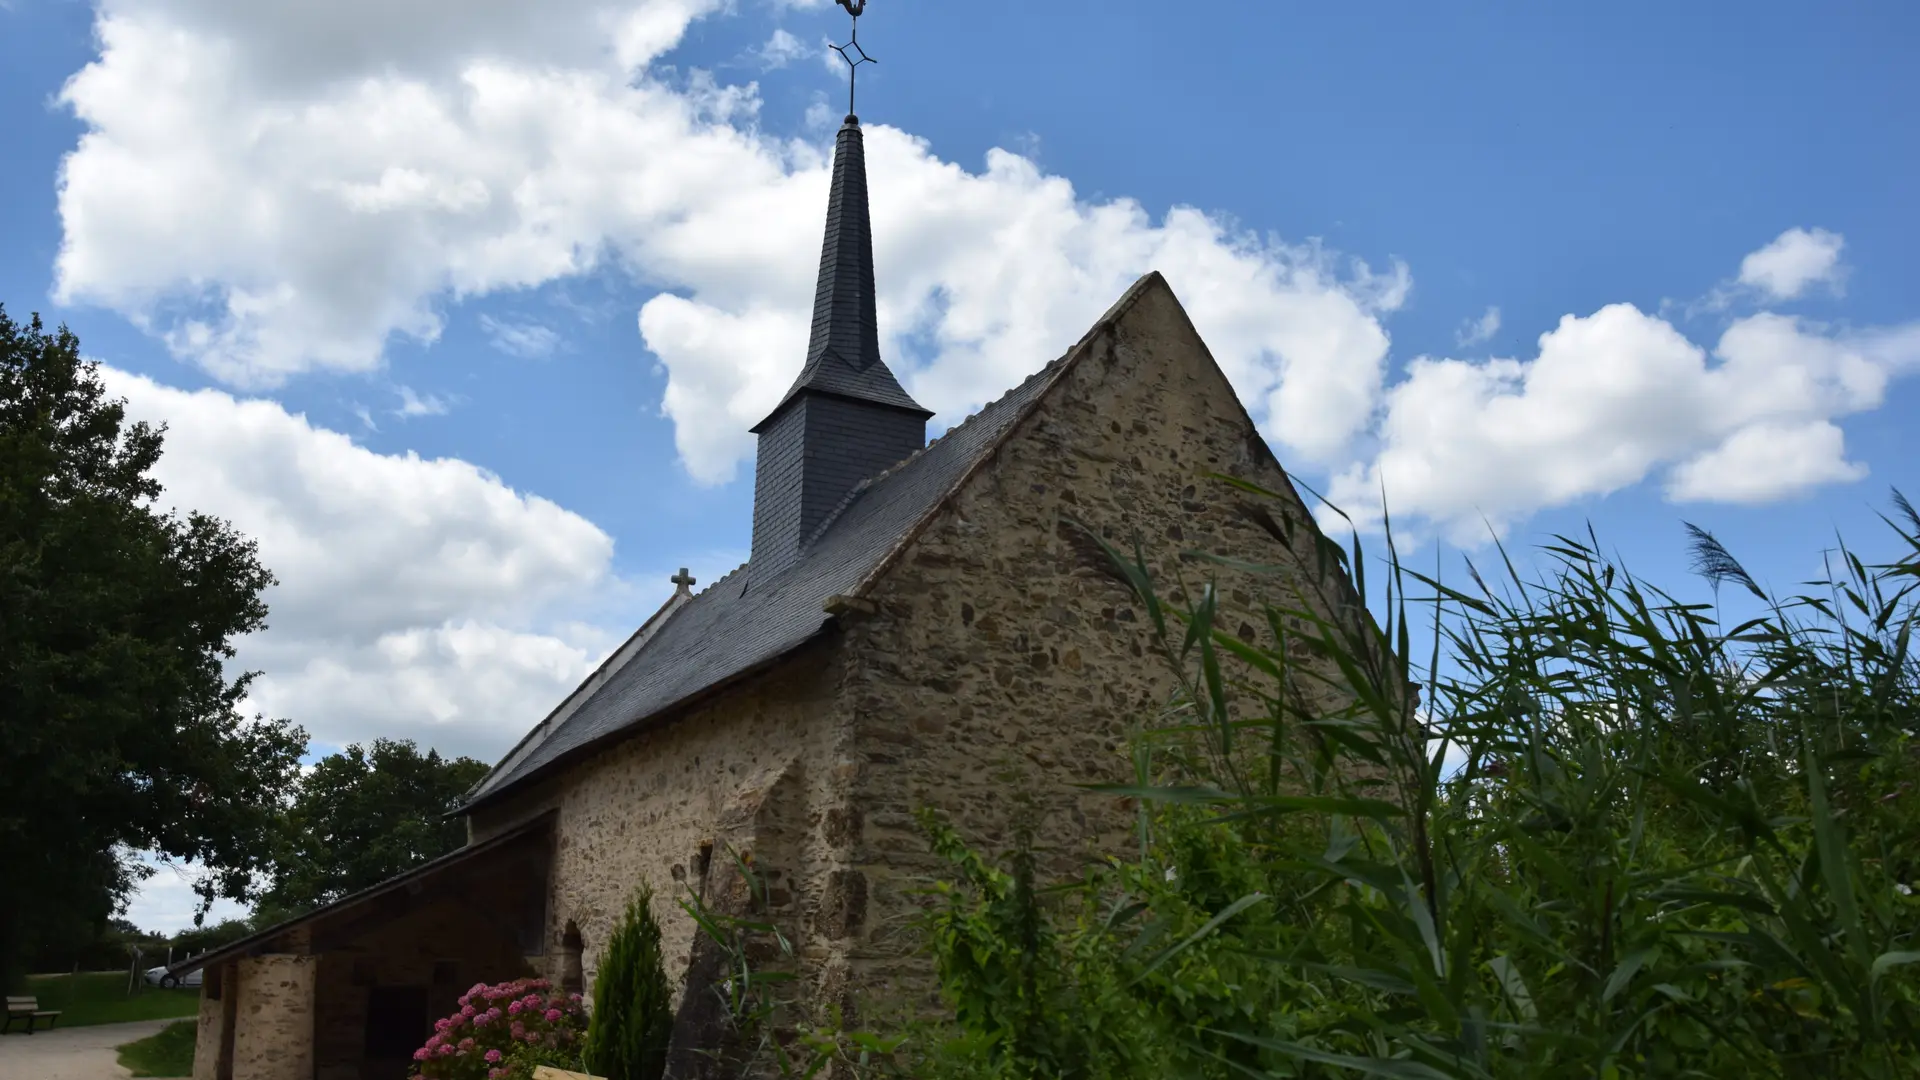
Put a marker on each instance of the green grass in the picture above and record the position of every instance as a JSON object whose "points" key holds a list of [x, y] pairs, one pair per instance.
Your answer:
{"points": [[169, 1053], [101, 998]]}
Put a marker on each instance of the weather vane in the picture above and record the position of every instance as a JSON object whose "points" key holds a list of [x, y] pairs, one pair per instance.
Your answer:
{"points": [[851, 52]]}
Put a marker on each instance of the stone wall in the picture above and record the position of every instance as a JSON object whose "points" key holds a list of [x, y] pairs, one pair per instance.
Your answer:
{"points": [[756, 767], [207, 1031], [1002, 660], [999, 660], [273, 1032]]}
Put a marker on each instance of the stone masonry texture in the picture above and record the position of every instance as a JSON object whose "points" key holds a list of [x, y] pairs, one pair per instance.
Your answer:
{"points": [[748, 772], [273, 1039], [206, 1041], [1004, 666]]}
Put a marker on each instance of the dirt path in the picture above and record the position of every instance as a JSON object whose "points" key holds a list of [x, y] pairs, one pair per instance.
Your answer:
{"points": [[82, 1053]]}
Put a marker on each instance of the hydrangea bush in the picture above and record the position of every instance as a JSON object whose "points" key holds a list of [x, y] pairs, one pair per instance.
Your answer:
{"points": [[502, 1031]]}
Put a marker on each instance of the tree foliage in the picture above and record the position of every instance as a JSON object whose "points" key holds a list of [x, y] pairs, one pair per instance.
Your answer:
{"points": [[119, 721], [361, 816], [632, 1001]]}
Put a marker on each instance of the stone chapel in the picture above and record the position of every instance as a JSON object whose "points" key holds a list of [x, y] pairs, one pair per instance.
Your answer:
{"points": [[919, 624]]}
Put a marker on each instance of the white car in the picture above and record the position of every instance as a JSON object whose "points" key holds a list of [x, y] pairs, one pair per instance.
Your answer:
{"points": [[158, 977]]}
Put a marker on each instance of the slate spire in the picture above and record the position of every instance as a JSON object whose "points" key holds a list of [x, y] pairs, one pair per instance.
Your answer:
{"points": [[843, 352], [846, 417]]}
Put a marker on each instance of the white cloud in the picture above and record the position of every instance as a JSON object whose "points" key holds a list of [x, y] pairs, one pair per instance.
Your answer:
{"points": [[275, 195], [987, 276], [1613, 398], [412, 404], [1480, 330], [166, 903], [1794, 261], [417, 598], [276, 191], [527, 340], [781, 49], [300, 202], [1765, 462], [820, 116], [831, 59]]}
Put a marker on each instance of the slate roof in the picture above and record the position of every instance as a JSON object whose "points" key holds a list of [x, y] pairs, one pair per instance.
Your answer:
{"points": [[425, 871], [843, 351], [740, 624]]}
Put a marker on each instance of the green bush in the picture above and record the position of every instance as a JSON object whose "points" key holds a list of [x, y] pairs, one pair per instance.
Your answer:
{"points": [[632, 1004], [1619, 839], [167, 1053]]}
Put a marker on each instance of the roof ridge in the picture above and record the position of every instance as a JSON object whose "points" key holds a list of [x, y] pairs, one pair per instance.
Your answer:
{"points": [[432, 866], [721, 580], [1051, 373], [621, 655], [861, 487]]}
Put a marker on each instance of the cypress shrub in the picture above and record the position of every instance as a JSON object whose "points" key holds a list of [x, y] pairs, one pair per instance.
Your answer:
{"points": [[632, 1002]]}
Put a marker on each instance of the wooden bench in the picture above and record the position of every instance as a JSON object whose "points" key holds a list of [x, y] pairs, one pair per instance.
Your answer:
{"points": [[29, 1010]]}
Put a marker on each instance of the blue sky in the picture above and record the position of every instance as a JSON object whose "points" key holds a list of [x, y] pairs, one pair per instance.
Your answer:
{"points": [[464, 310]]}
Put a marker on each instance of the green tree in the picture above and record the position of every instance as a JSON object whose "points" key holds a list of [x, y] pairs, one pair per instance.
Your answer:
{"points": [[632, 1003], [201, 939], [119, 721], [363, 815]]}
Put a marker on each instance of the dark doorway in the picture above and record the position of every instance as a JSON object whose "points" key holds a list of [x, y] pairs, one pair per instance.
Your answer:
{"points": [[397, 1023]]}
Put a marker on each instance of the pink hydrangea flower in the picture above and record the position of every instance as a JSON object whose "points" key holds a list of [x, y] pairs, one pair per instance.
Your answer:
{"points": [[422, 1054], [466, 1045], [492, 1057], [553, 1015], [514, 1008], [468, 1010]]}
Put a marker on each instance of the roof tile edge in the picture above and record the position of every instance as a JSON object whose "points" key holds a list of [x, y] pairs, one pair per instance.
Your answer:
{"points": [[615, 660], [1081, 349]]}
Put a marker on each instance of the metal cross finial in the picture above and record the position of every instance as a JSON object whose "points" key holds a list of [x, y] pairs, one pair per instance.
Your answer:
{"points": [[858, 55]]}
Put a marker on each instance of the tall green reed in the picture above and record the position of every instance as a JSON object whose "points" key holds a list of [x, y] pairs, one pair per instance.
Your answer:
{"points": [[1609, 837]]}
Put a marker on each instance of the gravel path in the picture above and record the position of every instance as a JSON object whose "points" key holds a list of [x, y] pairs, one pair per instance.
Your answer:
{"points": [[82, 1053]]}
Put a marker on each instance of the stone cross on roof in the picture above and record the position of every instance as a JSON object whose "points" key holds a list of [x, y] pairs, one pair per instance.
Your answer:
{"points": [[682, 583]]}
